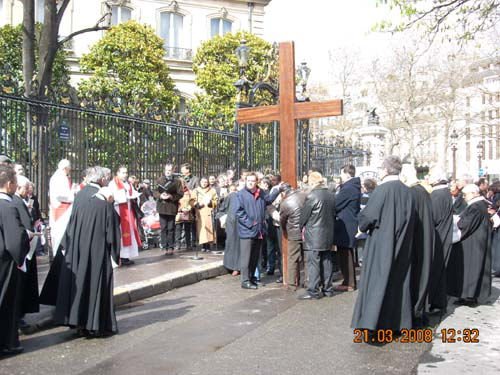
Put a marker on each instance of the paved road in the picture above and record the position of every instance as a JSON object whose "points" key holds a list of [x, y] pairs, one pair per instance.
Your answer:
{"points": [[215, 327]]}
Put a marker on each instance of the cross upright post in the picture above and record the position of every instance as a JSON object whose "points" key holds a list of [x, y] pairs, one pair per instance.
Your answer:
{"points": [[286, 112]]}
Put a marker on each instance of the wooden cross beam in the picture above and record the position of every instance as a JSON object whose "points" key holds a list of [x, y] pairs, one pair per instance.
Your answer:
{"points": [[286, 112]]}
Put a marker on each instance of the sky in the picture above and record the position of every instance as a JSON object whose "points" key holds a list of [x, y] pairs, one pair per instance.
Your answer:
{"points": [[316, 26]]}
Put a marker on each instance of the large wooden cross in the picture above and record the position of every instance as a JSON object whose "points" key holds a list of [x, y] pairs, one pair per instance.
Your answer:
{"points": [[286, 112]]}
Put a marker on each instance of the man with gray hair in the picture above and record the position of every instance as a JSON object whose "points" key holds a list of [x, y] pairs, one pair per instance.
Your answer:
{"points": [[469, 266], [384, 299]]}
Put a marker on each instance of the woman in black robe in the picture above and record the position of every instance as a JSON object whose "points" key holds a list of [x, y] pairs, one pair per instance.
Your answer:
{"points": [[469, 267], [85, 293]]}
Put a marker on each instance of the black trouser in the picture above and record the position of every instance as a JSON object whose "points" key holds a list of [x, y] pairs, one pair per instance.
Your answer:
{"points": [[249, 257], [346, 262], [319, 272], [183, 232], [273, 244], [167, 238]]}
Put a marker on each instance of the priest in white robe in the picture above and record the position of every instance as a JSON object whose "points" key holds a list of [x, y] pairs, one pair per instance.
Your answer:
{"points": [[125, 202], [61, 194]]}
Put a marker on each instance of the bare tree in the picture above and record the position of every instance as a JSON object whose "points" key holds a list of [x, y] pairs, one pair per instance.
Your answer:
{"points": [[49, 42]]}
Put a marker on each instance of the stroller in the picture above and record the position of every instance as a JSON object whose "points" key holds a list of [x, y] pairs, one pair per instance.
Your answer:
{"points": [[150, 225]]}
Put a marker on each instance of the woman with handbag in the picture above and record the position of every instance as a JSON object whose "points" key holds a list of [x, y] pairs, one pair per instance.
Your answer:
{"points": [[205, 200]]}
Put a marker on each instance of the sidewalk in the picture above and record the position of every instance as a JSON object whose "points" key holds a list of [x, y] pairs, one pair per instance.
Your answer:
{"points": [[460, 357], [153, 273]]}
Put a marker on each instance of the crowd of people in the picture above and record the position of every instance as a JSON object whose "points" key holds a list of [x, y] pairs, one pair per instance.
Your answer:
{"points": [[417, 242]]}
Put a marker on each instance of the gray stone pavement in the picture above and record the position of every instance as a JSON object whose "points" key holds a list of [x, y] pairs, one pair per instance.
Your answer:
{"points": [[153, 273], [467, 358], [215, 327]]}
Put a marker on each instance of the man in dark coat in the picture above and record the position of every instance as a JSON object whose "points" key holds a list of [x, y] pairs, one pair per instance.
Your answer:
{"points": [[96, 177], [317, 220], [250, 212], [442, 215], [384, 299], [469, 266], [29, 286], [85, 293], [347, 206], [14, 246], [168, 193], [290, 210], [423, 245]]}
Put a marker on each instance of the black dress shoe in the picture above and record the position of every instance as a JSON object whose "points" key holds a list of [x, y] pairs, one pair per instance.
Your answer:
{"points": [[307, 297], [12, 351], [248, 285]]}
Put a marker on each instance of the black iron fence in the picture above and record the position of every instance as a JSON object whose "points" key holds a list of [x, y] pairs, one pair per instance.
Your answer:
{"points": [[39, 134]]}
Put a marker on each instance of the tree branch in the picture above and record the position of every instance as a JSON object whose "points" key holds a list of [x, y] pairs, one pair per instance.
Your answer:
{"points": [[61, 11], [96, 27]]}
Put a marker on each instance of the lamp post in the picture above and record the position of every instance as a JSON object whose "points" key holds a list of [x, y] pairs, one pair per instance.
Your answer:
{"points": [[480, 149], [454, 137]]}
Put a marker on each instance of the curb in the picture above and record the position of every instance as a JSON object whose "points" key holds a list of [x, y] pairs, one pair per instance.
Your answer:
{"points": [[161, 284], [143, 289]]}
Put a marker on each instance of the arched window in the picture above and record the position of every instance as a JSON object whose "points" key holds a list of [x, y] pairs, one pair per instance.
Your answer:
{"points": [[171, 25], [220, 26], [120, 14]]}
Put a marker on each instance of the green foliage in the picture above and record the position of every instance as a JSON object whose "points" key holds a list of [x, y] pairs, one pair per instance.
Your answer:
{"points": [[128, 72], [11, 65], [452, 19], [216, 69]]}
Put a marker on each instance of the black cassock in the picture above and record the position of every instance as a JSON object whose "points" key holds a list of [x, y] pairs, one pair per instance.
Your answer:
{"points": [[423, 249], [48, 295], [14, 245], [442, 214], [469, 267], [29, 290], [384, 300], [232, 247], [85, 293]]}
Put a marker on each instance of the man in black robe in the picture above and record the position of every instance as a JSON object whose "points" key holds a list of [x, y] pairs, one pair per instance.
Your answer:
{"points": [[469, 267], [384, 299], [29, 286], [423, 245], [14, 245], [95, 178], [442, 215], [85, 293]]}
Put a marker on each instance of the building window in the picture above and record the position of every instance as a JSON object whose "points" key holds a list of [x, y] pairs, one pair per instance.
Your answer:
{"points": [[220, 26], [467, 101], [490, 143], [490, 115], [171, 29], [120, 14], [39, 10], [467, 144], [498, 141], [484, 98], [482, 116]]}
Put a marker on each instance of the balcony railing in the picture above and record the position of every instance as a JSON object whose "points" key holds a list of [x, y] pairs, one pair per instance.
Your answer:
{"points": [[179, 53]]}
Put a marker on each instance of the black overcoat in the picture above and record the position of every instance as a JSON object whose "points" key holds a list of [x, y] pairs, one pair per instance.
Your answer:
{"points": [[469, 267], [85, 293], [347, 206], [14, 245], [384, 300]]}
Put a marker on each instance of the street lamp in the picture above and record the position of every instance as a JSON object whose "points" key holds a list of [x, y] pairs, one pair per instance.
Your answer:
{"points": [[454, 137], [303, 73], [480, 149]]}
